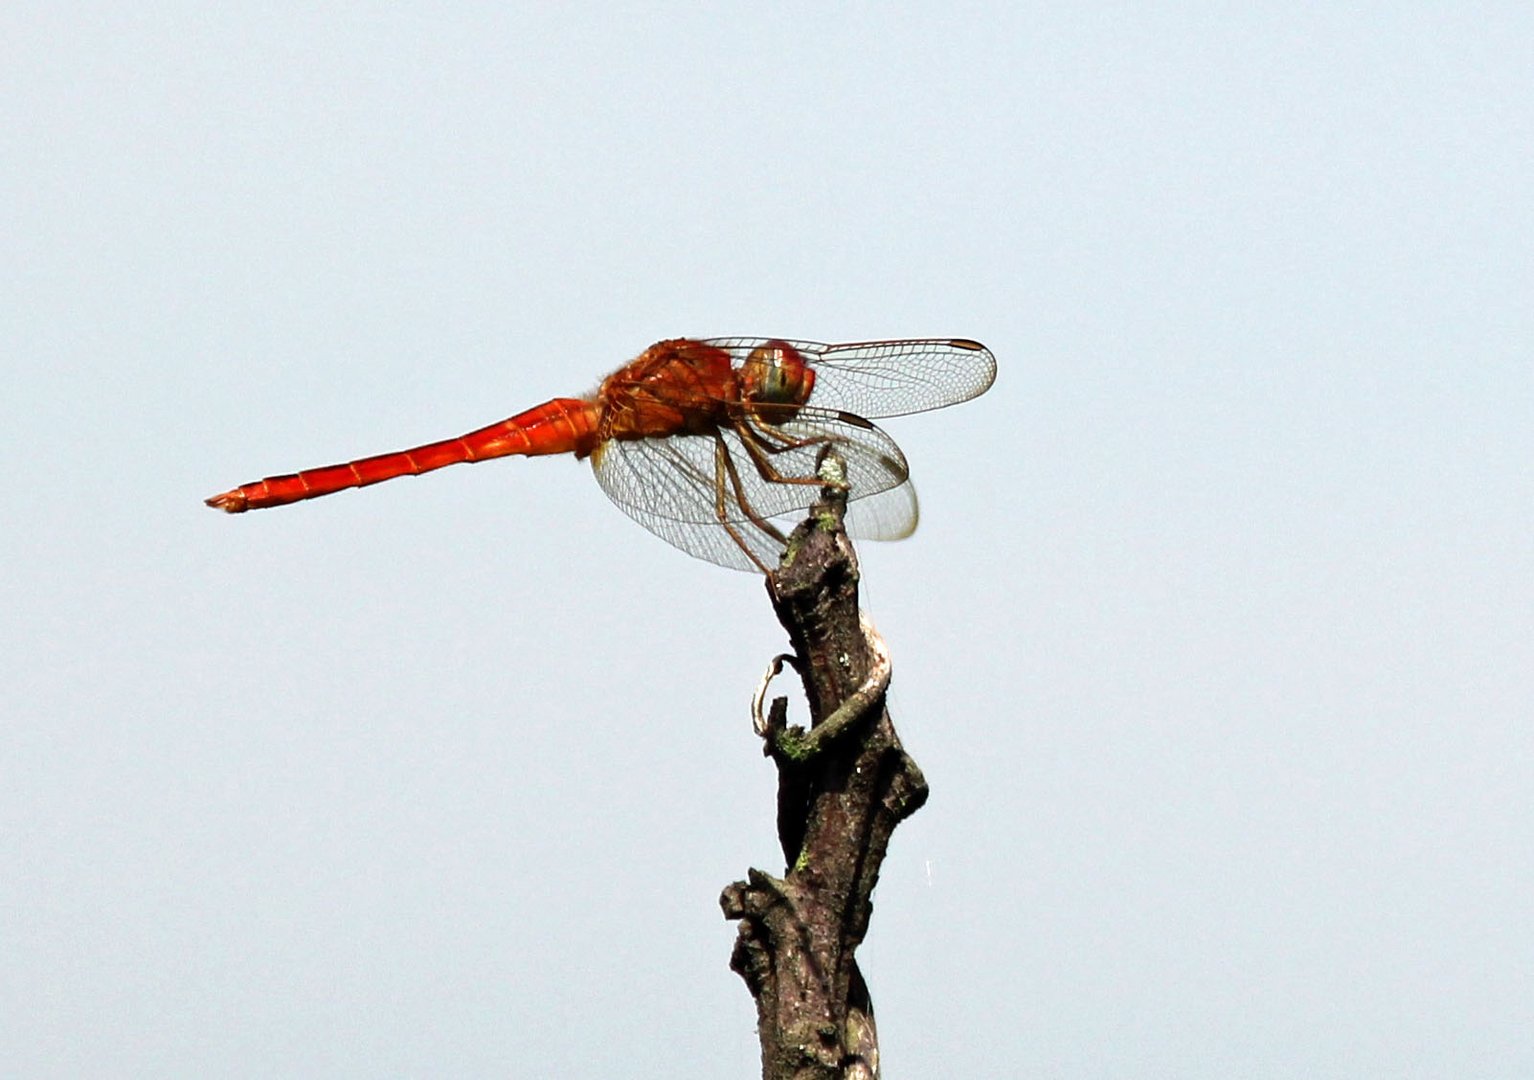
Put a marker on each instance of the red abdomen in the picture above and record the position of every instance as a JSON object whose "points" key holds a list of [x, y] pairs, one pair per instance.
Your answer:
{"points": [[561, 426]]}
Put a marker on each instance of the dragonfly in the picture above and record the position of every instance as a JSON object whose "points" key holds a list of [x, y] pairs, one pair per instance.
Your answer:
{"points": [[713, 444]]}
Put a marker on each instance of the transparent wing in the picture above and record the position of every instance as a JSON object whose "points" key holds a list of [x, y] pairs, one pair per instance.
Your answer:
{"points": [[886, 378], [683, 487], [888, 515], [713, 543]]}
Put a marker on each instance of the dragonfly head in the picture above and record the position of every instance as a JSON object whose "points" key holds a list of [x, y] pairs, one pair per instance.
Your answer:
{"points": [[775, 374]]}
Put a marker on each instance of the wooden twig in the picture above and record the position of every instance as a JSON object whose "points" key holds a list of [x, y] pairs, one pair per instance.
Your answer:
{"points": [[843, 786]]}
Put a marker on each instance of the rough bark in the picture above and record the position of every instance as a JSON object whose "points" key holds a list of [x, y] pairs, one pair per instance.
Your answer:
{"points": [[843, 786]]}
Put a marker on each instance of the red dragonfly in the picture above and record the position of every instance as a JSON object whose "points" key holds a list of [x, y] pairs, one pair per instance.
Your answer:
{"points": [[712, 444]]}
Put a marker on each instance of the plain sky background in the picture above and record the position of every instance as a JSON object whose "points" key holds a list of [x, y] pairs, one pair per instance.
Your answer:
{"points": [[1216, 643]]}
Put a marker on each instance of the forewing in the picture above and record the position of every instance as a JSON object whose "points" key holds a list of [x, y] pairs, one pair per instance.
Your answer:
{"points": [[887, 378]]}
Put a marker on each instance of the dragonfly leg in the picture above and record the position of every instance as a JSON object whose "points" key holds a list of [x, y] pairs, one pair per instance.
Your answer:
{"points": [[754, 438], [725, 472]]}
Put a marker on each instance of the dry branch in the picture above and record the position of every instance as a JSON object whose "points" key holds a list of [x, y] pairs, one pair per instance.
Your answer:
{"points": [[843, 786]]}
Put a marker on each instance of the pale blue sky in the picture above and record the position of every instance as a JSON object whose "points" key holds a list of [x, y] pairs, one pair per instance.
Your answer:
{"points": [[1216, 643]]}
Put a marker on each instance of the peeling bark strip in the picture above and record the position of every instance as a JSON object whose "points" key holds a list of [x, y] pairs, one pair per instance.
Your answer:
{"points": [[842, 788]]}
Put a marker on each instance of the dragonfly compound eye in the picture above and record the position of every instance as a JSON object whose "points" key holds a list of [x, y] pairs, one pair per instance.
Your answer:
{"points": [[776, 374]]}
